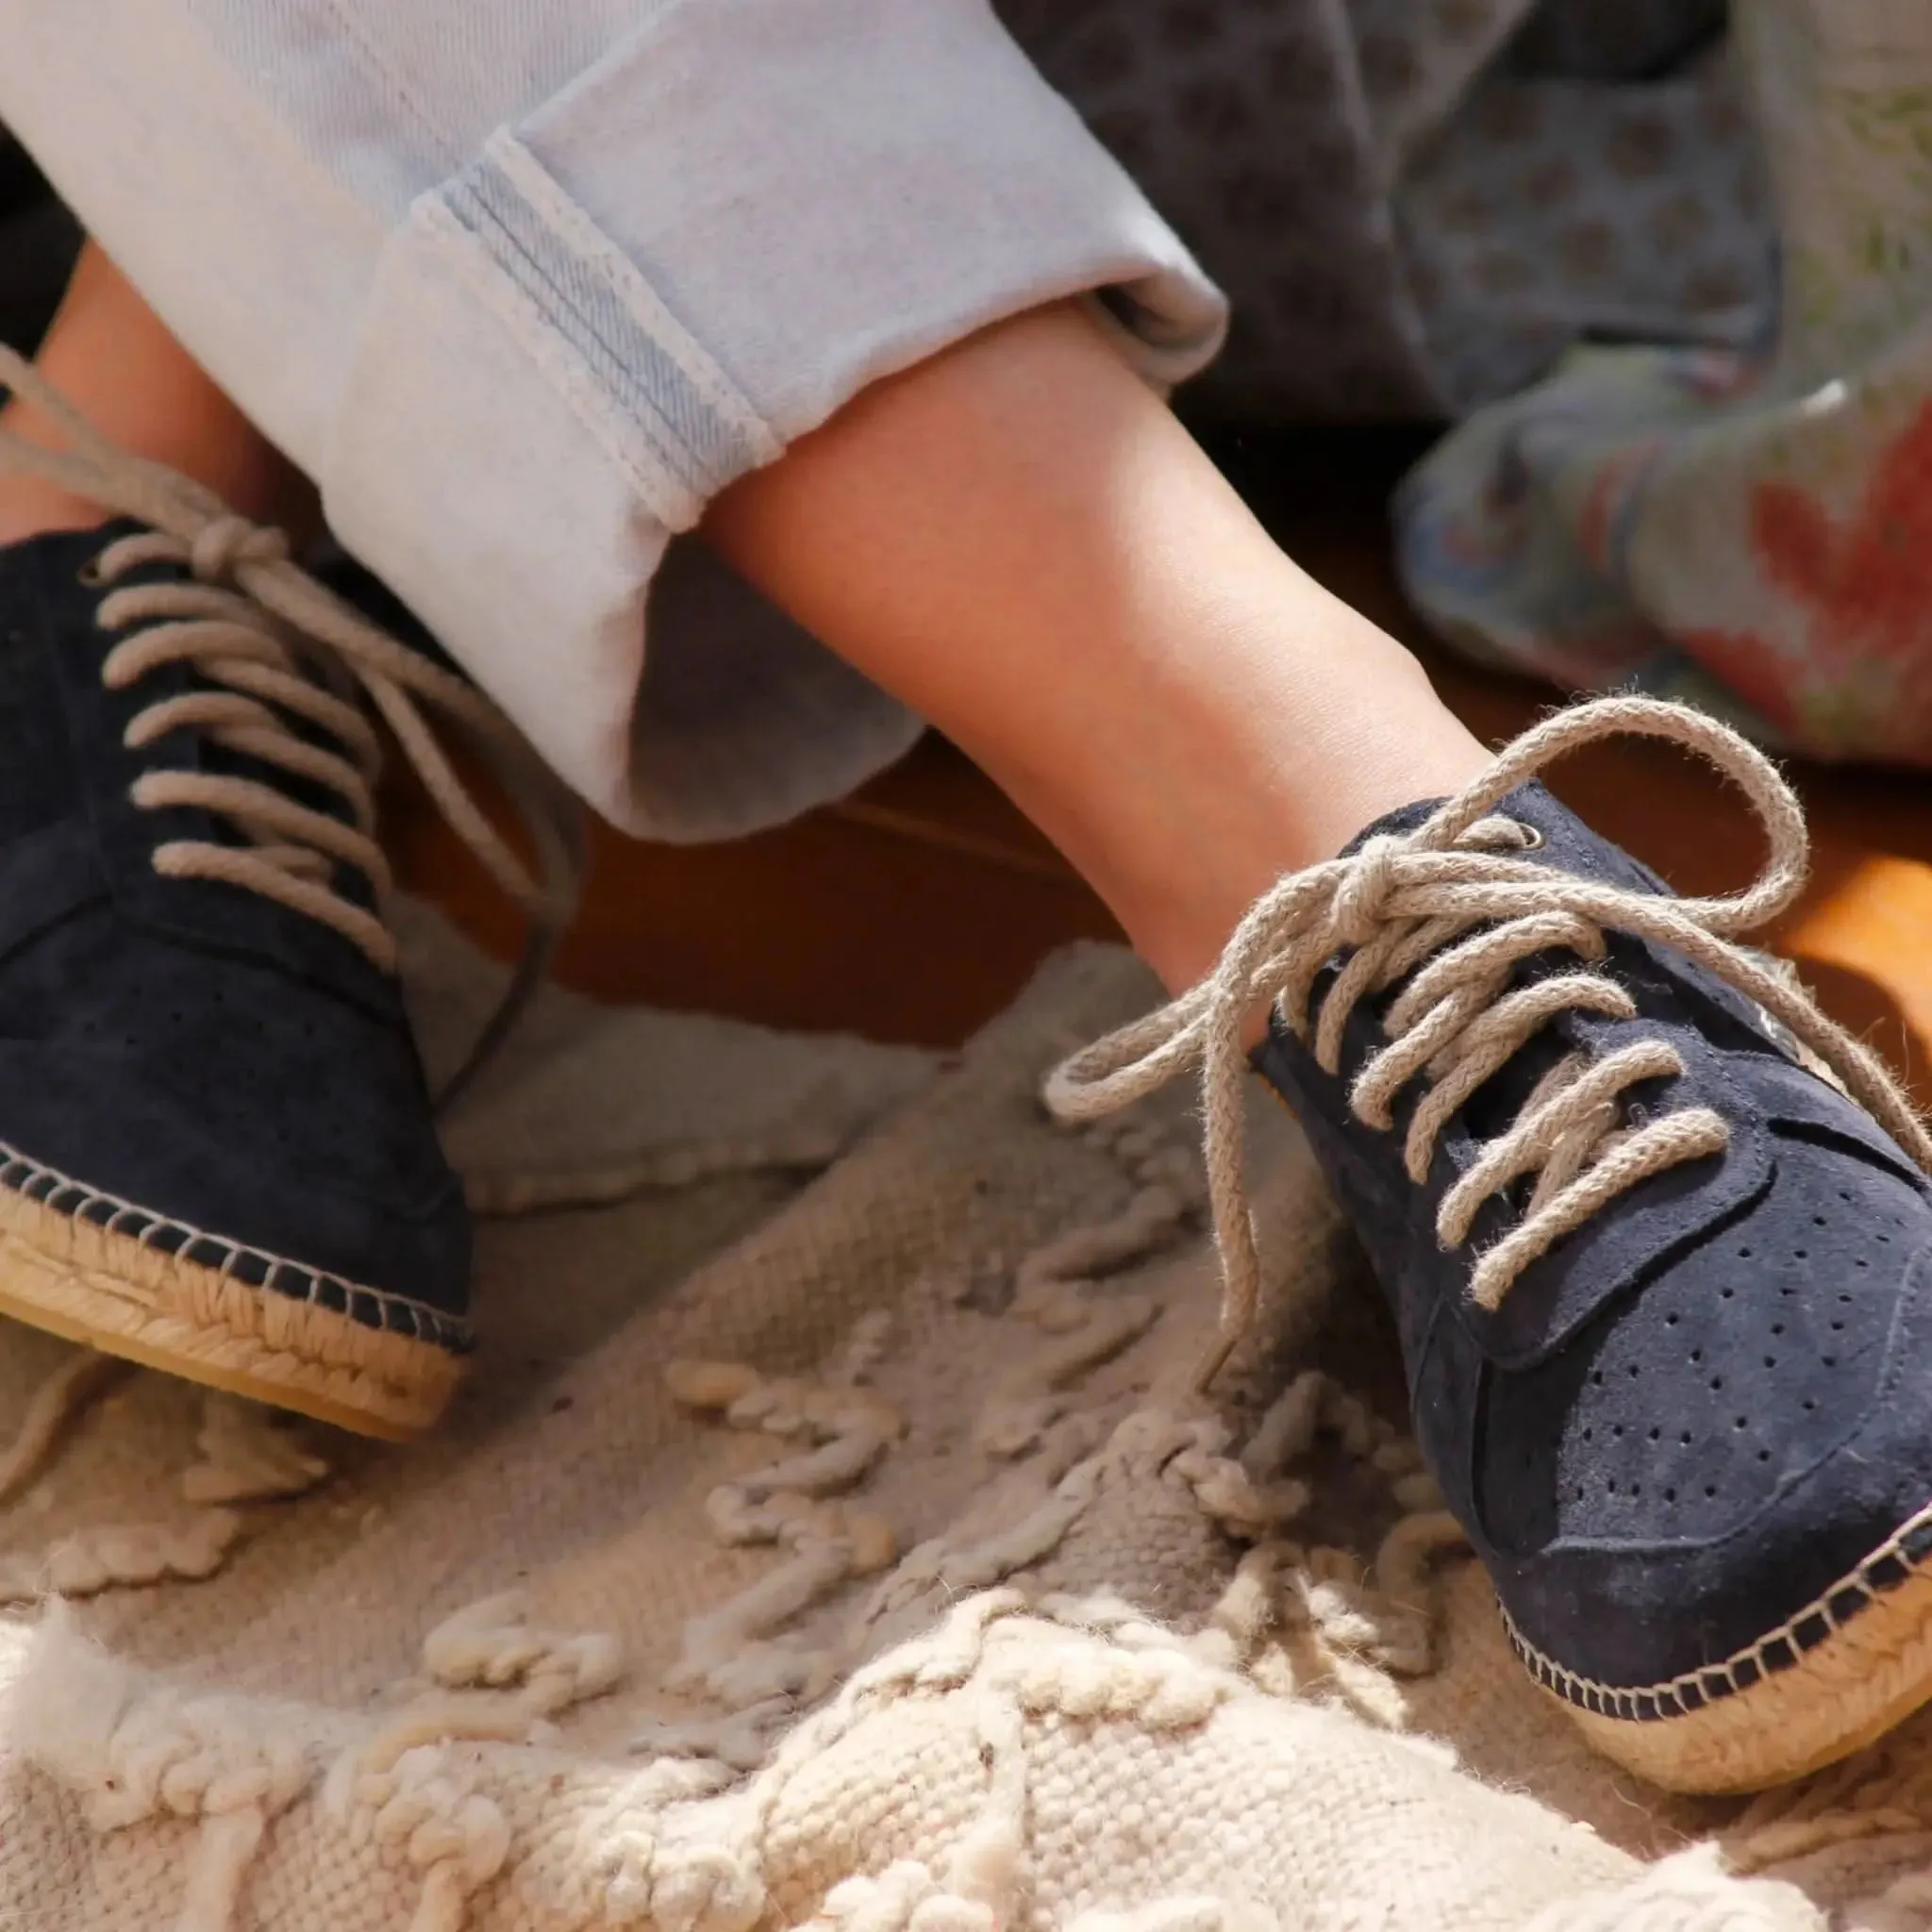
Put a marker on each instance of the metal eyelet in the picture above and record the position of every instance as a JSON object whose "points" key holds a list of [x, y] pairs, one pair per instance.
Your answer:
{"points": [[1532, 838], [89, 575]]}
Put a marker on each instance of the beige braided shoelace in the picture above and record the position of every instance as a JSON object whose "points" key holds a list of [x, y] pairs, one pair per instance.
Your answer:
{"points": [[1456, 903], [271, 644]]}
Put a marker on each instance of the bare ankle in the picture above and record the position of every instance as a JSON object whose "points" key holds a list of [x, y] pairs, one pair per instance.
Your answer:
{"points": [[1205, 814], [29, 509], [114, 361]]}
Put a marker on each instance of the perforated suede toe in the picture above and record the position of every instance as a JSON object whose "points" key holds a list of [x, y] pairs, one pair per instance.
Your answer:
{"points": [[1694, 1426], [216, 1149], [1662, 1282]]}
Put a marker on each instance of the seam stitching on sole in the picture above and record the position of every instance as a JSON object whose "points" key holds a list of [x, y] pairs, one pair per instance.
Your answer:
{"points": [[293, 1280], [1693, 1690]]}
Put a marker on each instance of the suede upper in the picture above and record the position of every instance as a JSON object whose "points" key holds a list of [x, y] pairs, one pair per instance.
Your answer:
{"points": [[188, 1047], [1699, 1413]]}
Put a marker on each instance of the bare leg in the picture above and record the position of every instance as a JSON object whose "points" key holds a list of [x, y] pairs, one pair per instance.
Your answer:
{"points": [[1021, 543], [114, 360]]}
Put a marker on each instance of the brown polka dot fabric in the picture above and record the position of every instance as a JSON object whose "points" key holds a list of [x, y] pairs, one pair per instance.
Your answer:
{"points": [[1416, 206], [1246, 123], [1623, 211]]}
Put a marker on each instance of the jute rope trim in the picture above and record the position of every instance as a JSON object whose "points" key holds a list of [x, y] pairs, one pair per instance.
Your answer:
{"points": [[109, 1292], [379, 1309]]}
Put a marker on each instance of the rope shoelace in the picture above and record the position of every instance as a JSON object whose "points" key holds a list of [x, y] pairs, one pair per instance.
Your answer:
{"points": [[1455, 903], [272, 646]]}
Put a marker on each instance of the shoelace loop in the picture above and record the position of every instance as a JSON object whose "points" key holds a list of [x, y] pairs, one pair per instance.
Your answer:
{"points": [[271, 643], [1455, 903]]}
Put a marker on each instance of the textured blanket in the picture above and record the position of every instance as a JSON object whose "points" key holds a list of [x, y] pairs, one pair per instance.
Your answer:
{"points": [[829, 1538]]}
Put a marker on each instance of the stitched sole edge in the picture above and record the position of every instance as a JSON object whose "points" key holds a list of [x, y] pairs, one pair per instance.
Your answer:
{"points": [[92, 1285], [1787, 1707]]}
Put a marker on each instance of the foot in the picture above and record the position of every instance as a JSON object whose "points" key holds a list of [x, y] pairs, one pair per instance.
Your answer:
{"points": [[1664, 1287], [216, 1150]]}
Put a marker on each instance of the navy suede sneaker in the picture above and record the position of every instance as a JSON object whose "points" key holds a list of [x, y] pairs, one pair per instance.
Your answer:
{"points": [[217, 1155], [216, 1151], [1664, 1292]]}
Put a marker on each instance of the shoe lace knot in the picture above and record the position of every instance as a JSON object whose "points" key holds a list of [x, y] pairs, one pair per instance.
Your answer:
{"points": [[1362, 893]]}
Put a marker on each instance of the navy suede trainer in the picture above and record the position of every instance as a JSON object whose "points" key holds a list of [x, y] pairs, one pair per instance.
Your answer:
{"points": [[216, 1151], [217, 1155], [1664, 1293]]}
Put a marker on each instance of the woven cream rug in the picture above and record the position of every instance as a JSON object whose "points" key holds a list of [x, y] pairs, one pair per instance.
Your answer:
{"points": [[826, 1539]]}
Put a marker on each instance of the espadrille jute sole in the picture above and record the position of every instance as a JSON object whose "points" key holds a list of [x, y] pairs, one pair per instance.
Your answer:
{"points": [[112, 1291], [1834, 1678]]}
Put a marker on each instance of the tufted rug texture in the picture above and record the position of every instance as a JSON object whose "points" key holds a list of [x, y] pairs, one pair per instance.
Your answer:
{"points": [[829, 1538]]}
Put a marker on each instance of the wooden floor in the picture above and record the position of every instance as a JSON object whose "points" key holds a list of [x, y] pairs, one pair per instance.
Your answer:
{"points": [[916, 909]]}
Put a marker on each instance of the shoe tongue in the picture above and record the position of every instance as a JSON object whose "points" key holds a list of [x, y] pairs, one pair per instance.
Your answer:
{"points": [[1403, 819], [1568, 846]]}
